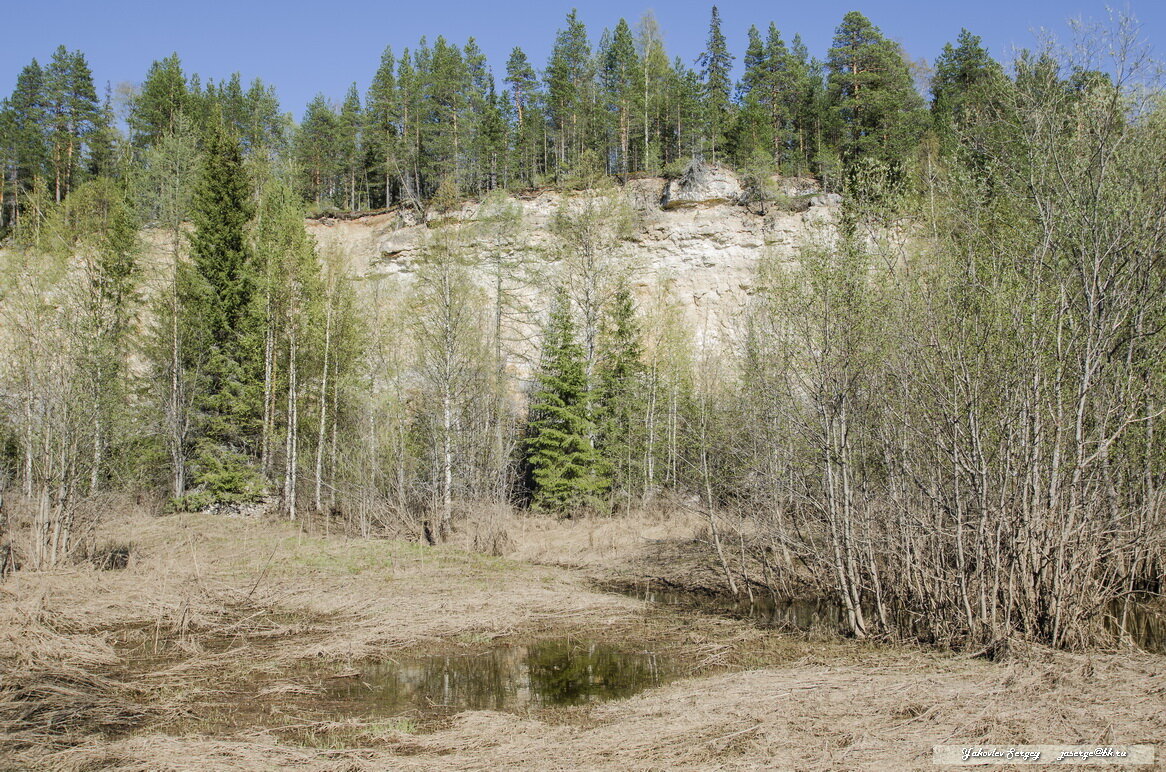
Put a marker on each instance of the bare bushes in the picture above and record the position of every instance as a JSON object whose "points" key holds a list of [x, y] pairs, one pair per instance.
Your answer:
{"points": [[490, 531], [963, 431], [45, 531]]}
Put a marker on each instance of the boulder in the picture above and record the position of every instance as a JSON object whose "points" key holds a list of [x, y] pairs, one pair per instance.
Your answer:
{"points": [[826, 199], [703, 183]]}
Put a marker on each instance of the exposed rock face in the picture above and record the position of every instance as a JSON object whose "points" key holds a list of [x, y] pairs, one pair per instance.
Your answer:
{"points": [[703, 183], [826, 199], [705, 254]]}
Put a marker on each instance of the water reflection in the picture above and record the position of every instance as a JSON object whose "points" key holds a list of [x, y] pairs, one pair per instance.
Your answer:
{"points": [[1145, 623], [507, 678], [766, 611]]}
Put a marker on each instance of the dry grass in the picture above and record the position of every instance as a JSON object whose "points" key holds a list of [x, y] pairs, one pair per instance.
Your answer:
{"points": [[672, 547], [47, 708], [807, 717], [181, 662]]}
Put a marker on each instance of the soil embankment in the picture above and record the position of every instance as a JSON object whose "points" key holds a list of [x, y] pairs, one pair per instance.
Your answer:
{"points": [[221, 644]]}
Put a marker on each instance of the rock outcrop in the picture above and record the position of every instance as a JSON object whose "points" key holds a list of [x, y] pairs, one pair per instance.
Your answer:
{"points": [[703, 183], [705, 252]]}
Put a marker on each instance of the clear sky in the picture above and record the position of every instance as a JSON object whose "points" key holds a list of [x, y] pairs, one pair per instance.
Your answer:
{"points": [[304, 48]]}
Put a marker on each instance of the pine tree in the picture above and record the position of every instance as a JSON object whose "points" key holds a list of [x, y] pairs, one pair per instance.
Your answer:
{"points": [[163, 97], [565, 468], [779, 88], [491, 142], [411, 88], [569, 78], [233, 106], [7, 162], [529, 127], [479, 116], [444, 133], [751, 131], [265, 127], [73, 115], [350, 147], [523, 81], [877, 112], [25, 141], [685, 114], [963, 75], [807, 106], [318, 151]]}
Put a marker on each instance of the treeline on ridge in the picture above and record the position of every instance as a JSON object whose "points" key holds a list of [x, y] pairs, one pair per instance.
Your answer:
{"points": [[437, 114]]}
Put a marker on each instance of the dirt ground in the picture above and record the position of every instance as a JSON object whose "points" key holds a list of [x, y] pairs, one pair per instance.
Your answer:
{"points": [[193, 658]]}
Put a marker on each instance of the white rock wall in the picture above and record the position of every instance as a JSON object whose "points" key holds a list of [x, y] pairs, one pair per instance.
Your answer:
{"points": [[708, 253]]}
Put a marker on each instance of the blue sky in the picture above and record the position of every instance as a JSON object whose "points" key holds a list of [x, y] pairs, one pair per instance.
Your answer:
{"points": [[308, 47]]}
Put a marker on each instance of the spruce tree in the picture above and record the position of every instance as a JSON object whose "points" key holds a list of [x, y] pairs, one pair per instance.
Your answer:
{"points": [[216, 293], [565, 467], [221, 209], [620, 405], [619, 66], [716, 63], [382, 116], [103, 159]]}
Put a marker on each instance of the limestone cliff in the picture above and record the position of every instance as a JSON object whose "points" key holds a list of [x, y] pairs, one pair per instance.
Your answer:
{"points": [[694, 235]]}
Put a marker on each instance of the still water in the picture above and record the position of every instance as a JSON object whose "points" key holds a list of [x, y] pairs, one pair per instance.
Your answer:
{"points": [[560, 672], [507, 678], [763, 610], [1145, 623]]}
